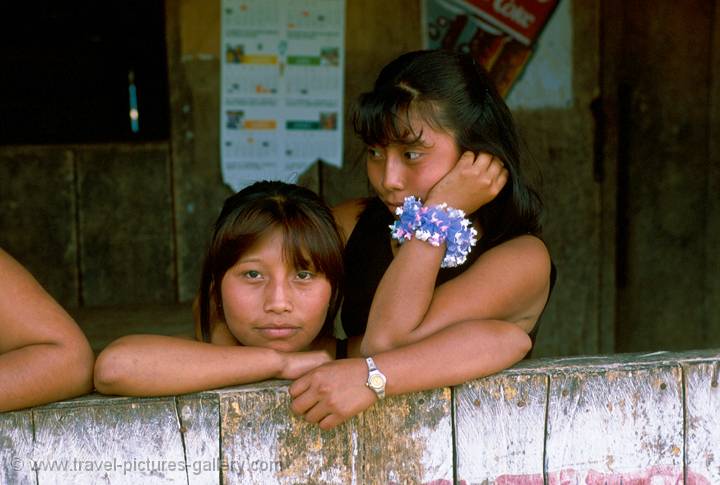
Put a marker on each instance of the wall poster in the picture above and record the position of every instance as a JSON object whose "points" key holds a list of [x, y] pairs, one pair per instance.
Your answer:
{"points": [[282, 77], [500, 34]]}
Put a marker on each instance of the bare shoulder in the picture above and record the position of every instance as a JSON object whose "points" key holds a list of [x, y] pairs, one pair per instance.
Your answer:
{"points": [[528, 247], [528, 254], [346, 215]]}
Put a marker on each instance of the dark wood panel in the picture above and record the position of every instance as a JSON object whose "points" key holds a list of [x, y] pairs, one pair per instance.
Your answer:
{"points": [[663, 169], [125, 216], [559, 141], [712, 235], [195, 140], [37, 216]]}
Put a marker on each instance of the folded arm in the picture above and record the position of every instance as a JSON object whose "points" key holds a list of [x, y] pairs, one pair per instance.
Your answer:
{"points": [[334, 392], [44, 356], [157, 365], [510, 283]]}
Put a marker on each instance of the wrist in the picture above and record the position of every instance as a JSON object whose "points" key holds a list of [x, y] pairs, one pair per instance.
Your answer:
{"points": [[279, 362], [376, 379], [436, 224]]}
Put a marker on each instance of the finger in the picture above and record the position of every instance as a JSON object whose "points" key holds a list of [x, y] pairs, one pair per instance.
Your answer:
{"points": [[298, 387], [330, 421], [466, 159], [502, 179], [304, 402], [483, 161], [316, 414]]}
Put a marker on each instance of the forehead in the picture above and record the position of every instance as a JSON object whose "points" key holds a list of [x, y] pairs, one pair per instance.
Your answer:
{"points": [[418, 124]]}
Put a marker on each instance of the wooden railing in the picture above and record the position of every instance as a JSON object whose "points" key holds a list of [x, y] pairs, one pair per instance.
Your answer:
{"points": [[623, 419]]}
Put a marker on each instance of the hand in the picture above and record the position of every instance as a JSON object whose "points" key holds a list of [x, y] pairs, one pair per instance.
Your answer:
{"points": [[332, 393], [298, 363], [473, 182]]}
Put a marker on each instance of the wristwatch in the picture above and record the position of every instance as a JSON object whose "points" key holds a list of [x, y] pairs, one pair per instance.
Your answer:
{"points": [[376, 379]]}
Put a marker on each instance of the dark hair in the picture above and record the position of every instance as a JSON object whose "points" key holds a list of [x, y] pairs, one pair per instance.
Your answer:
{"points": [[310, 237], [452, 93]]}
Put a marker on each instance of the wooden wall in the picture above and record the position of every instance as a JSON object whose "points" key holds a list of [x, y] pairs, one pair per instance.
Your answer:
{"points": [[94, 222], [641, 419], [629, 172]]}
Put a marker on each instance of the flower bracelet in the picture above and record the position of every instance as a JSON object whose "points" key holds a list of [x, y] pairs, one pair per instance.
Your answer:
{"points": [[435, 224]]}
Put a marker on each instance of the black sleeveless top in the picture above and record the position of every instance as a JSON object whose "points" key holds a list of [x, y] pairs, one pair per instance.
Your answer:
{"points": [[368, 254]]}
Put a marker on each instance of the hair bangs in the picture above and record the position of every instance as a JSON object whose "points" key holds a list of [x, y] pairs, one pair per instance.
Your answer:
{"points": [[391, 116], [307, 244]]}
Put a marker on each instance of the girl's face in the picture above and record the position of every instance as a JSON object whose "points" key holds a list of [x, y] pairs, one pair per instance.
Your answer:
{"points": [[400, 170], [268, 303]]}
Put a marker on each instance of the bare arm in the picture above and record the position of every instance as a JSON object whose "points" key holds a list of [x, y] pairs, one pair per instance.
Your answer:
{"points": [[509, 282], [334, 392], [158, 365], [44, 356]]}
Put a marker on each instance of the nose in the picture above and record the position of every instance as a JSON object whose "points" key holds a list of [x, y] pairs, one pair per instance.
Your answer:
{"points": [[393, 175], [277, 297]]}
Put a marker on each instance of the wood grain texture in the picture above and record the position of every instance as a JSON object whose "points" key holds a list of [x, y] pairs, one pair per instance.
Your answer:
{"points": [[702, 422], [500, 428], [262, 443], [16, 448], [407, 439], [200, 426], [123, 441], [615, 425]]}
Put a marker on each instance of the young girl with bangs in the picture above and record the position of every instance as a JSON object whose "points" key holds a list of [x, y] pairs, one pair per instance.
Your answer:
{"points": [[446, 271], [269, 293]]}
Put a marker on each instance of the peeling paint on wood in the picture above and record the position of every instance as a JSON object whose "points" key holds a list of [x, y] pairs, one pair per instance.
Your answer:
{"points": [[500, 429], [127, 442], [702, 425], [263, 443], [615, 422], [200, 427], [408, 439], [605, 421]]}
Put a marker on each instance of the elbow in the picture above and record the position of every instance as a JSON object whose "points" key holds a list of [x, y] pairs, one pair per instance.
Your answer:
{"points": [[520, 343], [77, 365], [112, 370], [372, 346]]}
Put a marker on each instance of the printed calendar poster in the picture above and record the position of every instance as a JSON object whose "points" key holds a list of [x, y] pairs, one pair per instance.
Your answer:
{"points": [[282, 80]]}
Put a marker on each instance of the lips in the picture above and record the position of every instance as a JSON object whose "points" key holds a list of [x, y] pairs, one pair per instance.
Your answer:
{"points": [[278, 331]]}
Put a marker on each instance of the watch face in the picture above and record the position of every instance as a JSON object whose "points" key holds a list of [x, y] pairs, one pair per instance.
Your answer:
{"points": [[376, 381]]}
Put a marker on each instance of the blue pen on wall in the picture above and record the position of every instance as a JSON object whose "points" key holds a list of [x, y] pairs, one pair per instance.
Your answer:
{"points": [[134, 113]]}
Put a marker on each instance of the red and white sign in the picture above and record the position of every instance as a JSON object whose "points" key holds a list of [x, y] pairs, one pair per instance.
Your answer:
{"points": [[523, 19]]}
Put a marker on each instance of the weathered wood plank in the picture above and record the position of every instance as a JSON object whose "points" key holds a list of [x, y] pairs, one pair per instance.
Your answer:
{"points": [[615, 426], [263, 443], [500, 429], [200, 420], [126, 441], [702, 426], [126, 227], [407, 439], [16, 448]]}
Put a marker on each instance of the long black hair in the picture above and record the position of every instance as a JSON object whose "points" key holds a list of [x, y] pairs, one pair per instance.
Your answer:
{"points": [[452, 93], [310, 239]]}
